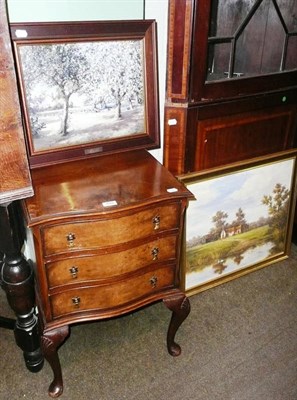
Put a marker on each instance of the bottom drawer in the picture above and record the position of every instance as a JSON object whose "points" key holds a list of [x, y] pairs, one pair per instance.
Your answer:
{"points": [[111, 295]]}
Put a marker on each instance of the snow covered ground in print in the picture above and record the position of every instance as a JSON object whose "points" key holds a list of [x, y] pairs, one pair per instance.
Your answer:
{"points": [[88, 126]]}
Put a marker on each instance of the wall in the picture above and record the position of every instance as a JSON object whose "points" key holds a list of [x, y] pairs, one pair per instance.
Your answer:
{"points": [[79, 10], [70, 10], [158, 10]]}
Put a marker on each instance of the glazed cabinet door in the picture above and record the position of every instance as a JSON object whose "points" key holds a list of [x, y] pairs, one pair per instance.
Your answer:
{"points": [[247, 47], [220, 49]]}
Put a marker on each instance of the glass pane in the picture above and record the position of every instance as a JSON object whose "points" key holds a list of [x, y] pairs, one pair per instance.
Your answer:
{"points": [[291, 60], [258, 29], [227, 16], [218, 57], [247, 60], [275, 33], [288, 9]]}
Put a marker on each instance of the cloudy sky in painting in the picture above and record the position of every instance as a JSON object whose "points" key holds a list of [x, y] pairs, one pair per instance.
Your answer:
{"points": [[227, 193]]}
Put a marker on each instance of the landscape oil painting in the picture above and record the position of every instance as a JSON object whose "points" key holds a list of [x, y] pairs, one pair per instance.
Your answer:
{"points": [[240, 220]]}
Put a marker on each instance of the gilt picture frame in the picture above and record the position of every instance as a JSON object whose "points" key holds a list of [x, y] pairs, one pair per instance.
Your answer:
{"points": [[87, 88], [241, 220]]}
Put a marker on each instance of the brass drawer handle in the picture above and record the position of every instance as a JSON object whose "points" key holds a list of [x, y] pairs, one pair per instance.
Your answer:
{"points": [[155, 253], [73, 271], [156, 222], [76, 301], [70, 239], [153, 281]]}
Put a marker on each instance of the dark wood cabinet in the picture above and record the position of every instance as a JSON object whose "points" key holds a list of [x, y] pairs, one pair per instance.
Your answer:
{"points": [[231, 82]]}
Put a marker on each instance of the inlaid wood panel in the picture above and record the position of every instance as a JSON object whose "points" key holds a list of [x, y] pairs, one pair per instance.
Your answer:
{"points": [[237, 137], [179, 48], [175, 134], [216, 134]]}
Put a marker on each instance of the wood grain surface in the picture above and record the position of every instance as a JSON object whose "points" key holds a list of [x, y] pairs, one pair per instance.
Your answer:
{"points": [[15, 181]]}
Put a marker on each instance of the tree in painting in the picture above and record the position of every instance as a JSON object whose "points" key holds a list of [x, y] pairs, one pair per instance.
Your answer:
{"points": [[116, 74], [240, 220], [33, 99], [278, 203], [219, 219], [64, 69]]}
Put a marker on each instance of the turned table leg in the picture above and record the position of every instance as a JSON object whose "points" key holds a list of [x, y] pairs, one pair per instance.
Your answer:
{"points": [[6, 323], [18, 283], [50, 341], [180, 306]]}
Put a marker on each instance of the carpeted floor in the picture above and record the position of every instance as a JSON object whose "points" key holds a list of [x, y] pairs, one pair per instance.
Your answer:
{"points": [[239, 343]]}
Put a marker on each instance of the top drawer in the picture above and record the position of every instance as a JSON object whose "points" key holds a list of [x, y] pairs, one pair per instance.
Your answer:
{"points": [[102, 233]]}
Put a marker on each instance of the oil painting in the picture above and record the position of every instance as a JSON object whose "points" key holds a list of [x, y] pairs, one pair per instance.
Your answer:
{"points": [[240, 220]]}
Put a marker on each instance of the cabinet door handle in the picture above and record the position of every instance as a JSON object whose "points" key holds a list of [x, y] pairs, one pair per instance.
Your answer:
{"points": [[70, 239], [76, 301], [73, 271], [153, 281], [155, 253], [156, 222]]}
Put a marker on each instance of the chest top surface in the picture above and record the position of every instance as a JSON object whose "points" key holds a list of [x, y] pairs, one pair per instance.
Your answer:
{"points": [[100, 185]]}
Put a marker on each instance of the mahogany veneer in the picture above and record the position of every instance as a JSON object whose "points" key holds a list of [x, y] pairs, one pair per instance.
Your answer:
{"points": [[214, 116], [15, 180], [107, 236]]}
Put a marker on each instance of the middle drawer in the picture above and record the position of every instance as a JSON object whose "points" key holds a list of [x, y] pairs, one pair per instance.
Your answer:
{"points": [[102, 266]]}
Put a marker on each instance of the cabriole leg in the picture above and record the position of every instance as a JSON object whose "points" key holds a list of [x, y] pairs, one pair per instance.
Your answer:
{"points": [[180, 306], [50, 341]]}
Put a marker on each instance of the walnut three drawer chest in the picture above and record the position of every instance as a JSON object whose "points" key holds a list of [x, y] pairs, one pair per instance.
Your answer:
{"points": [[107, 236]]}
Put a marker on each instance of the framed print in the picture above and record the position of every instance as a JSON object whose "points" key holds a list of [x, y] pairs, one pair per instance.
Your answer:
{"points": [[240, 221], [87, 88]]}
